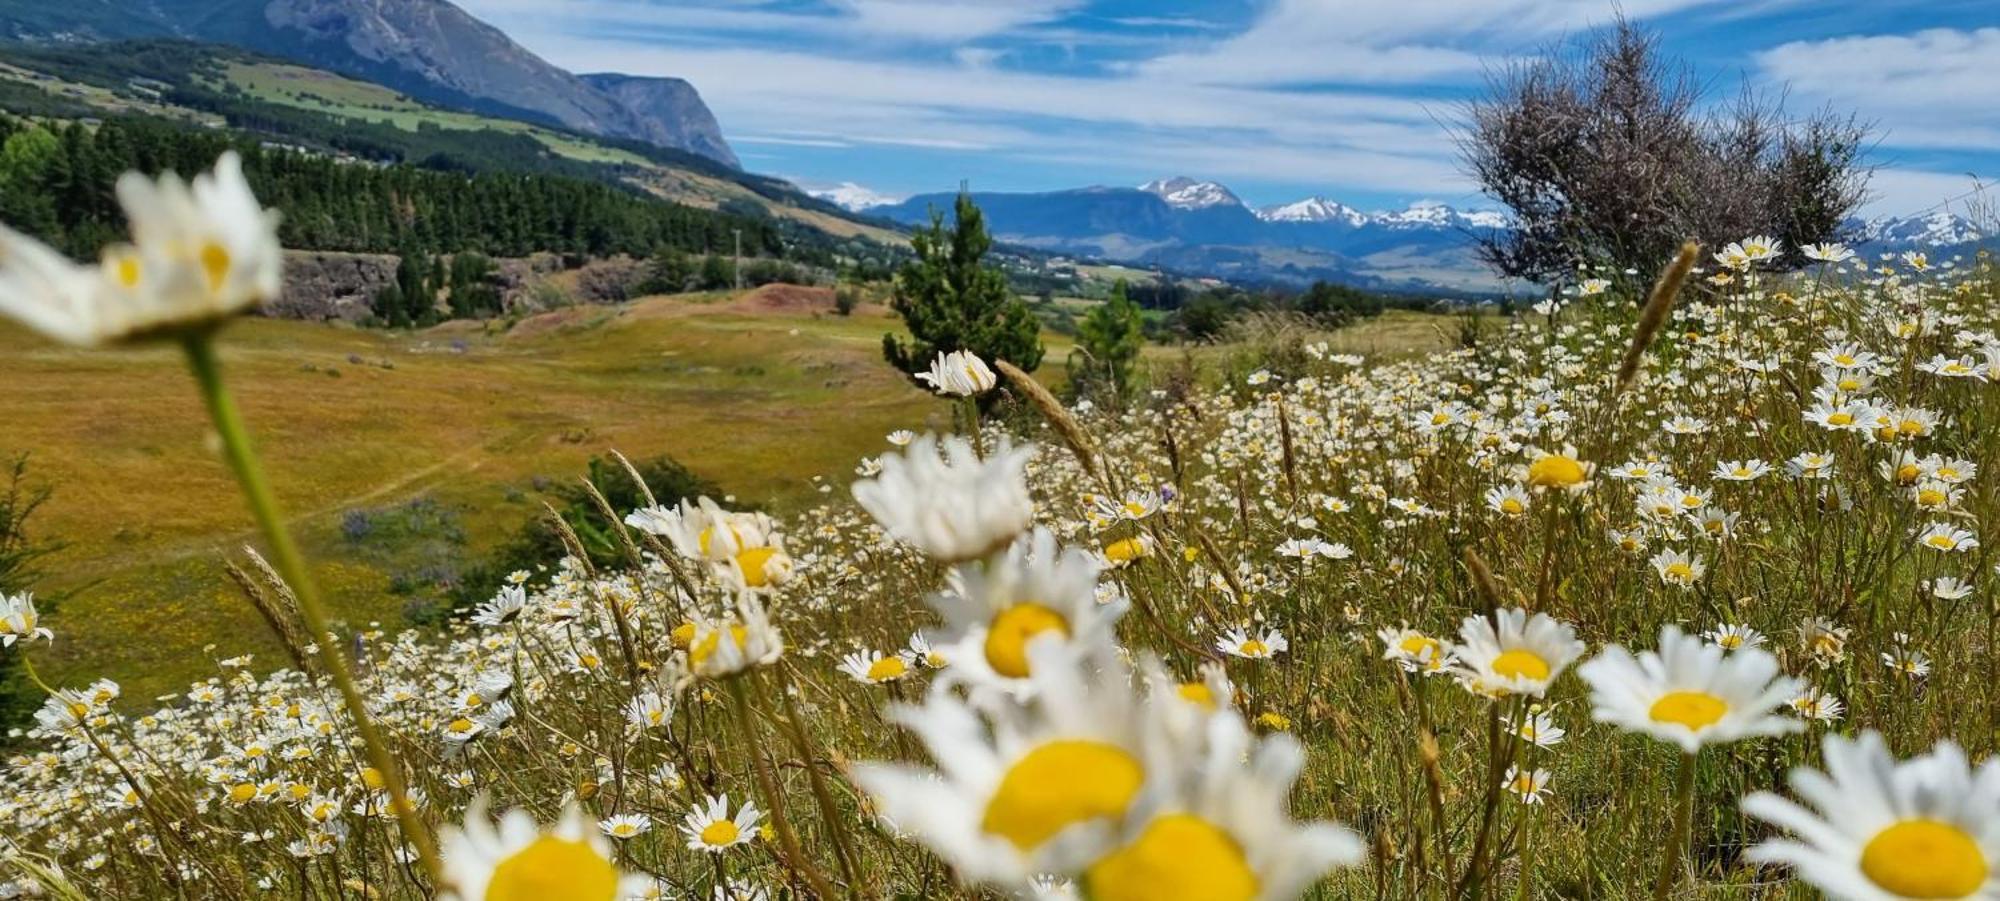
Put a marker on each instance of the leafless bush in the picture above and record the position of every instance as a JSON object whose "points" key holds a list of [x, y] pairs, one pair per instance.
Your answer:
{"points": [[1607, 153]]}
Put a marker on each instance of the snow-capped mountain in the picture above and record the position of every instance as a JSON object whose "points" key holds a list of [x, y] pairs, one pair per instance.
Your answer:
{"points": [[1314, 209], [1431, 214], [1941, 228], [1182, 192], [851, 196]]}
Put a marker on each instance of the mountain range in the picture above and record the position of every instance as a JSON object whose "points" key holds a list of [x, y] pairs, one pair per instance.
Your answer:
{"points": [[1203, 227], [429, 49]]}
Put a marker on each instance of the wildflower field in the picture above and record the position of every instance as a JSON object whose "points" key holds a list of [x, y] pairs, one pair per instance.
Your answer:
{"points": [[1668, 589]]}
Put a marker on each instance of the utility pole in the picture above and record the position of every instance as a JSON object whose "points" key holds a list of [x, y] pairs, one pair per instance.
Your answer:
{"points": [[736, 265]]}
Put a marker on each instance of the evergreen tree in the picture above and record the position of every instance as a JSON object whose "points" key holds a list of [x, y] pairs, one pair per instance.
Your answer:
{"points": [[717, 273], [950, 300], [1109, 339]]}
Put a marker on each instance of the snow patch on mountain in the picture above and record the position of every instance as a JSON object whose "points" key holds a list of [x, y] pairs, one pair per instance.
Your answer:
{"points": [[850, 196], [1940, 228], [1314, 209], [1188, 194]]}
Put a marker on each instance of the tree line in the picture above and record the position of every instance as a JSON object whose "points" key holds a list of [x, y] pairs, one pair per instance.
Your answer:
{"points": [[56, 183]]}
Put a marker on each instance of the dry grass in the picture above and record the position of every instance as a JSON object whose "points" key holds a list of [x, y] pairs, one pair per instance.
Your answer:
{"points": [[760, 403]]}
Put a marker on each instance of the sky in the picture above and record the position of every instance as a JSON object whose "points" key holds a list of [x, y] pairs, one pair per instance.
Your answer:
{"points": [[1354, 100]]}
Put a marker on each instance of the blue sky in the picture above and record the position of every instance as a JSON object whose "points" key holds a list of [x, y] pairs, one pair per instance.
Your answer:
{"points": [[1279, 99]]}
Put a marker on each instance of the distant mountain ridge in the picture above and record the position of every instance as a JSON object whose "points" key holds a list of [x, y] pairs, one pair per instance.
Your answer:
{"points": [[429, 49], [1203, 226]]}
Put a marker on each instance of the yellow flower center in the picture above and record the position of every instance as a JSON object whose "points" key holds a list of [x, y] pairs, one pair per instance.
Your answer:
{"points": [[753, 562], [1908, 472], [1680, 572], [1125, 551], [1520, 664], [554, 869], [1197, 693], [1919, 858], [1058, 785], [721, 833], [1421, 647], [1696, 710], [707, 537], [1840, 418], [682, 636], [1007, 638], [704, 648], [1942, 542], [215, 262], [1930, 497], [1511, 506], [887, 668], [1254, 648], [242, 792], [1178, 856], [1555, 471], [128, 271], [1731, 642]]}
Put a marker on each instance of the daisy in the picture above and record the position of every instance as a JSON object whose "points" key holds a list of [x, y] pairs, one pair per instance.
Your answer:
{"points": [[960, 374], [1239, 643], [954, 507], [18, 620], [502, 608], [1946, 538], [1678, 569], [870, 668], [1827, 252], [1527, 785], [1813, 704], [725, 647], [1414, 651], [517, 859], [625, 826], [710, 828], [649, 711], [1538, 729], [1036, 592], [200, 253], [1689, 693], [1509, 500], [1223, 832], [1523, 655], [1560, 469], [1731, 637], [1023, 789], [1880, 829]]}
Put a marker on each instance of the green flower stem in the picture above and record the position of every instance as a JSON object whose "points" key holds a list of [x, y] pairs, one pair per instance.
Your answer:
{"points": [[291, 566], [1670, 861]]}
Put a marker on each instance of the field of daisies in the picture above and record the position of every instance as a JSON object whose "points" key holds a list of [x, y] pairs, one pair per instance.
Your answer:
{"points": [[1668, 589]]}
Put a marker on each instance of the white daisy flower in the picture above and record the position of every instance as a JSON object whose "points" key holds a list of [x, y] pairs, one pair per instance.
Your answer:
{"points": [[1523, 655], [709, 827], [960, 374], [1880, 829], [955, 507], [517, 859], [1689, 693]]}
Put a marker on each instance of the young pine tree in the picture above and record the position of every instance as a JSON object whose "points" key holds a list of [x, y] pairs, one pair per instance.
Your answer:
{"points": [[1109, 339], [950, 301]]}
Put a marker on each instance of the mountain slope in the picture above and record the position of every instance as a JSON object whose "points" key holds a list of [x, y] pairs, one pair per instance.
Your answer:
{"points": [[669, 113], [430, 49]]}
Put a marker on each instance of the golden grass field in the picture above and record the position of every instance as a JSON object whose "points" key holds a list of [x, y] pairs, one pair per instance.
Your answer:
{"points": [[468, 415], [759, 402]]}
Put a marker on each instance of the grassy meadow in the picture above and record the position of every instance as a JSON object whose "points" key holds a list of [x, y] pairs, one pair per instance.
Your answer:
{"points": [[469, 417]]}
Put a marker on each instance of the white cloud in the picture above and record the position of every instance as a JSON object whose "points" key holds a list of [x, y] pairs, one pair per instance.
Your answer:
{"points": [[1931, 89], [1903, 192], [1384, 41], [946, 21]]}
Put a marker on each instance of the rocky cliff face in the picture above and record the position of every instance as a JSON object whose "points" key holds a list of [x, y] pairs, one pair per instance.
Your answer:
{"points": [[327, 287], [322, 287], [669, 112]]}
